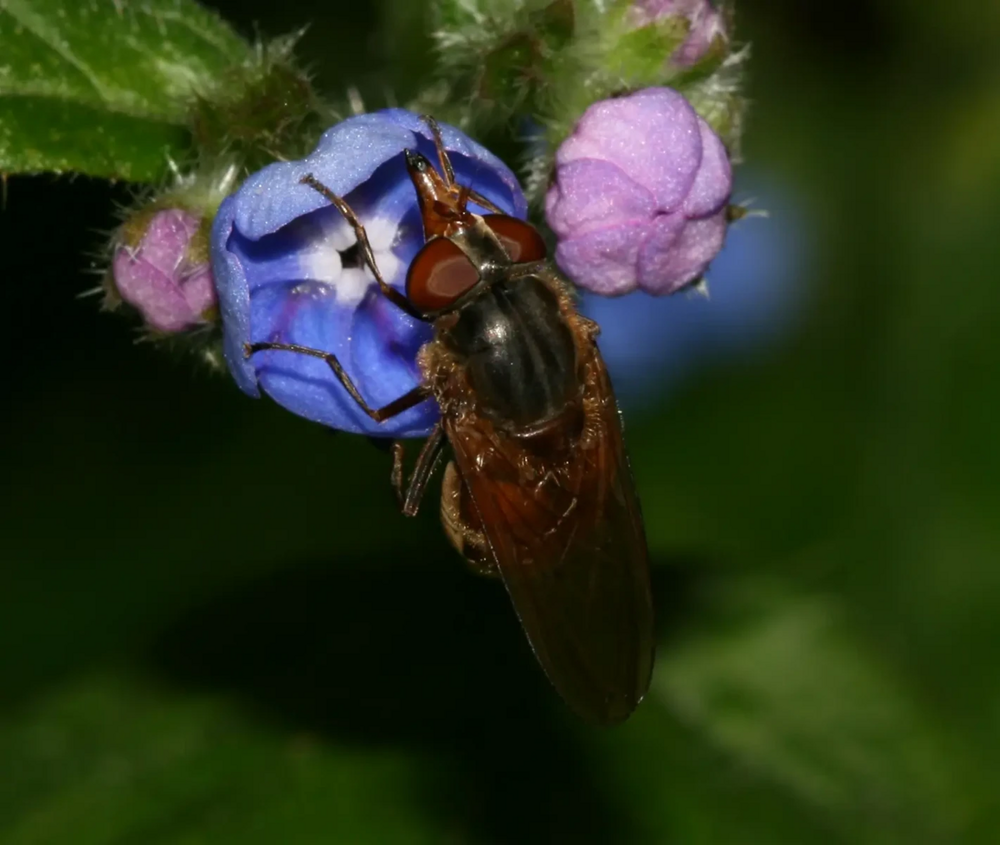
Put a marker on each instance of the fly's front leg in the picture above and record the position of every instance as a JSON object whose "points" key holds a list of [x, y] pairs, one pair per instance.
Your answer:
{"points": [[393, 295], [448, 171]]}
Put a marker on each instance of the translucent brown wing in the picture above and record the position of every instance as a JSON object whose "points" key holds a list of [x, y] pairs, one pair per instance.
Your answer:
{"points": [[568, 539]]}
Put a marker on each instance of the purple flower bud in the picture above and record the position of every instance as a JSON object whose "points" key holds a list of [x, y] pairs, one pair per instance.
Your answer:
{"points": [[754, 295], [640, 195], [287, 269], [162, 270], [706, 25]]}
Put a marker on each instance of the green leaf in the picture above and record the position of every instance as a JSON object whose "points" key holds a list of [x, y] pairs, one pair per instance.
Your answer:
{"points": [[106, 759], [778, 684], [104, 88]]}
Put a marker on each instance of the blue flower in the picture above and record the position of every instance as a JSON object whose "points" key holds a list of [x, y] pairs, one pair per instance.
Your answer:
{"points": [[286, 269]]}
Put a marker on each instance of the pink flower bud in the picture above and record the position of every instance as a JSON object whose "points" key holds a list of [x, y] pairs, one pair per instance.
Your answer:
{"points": [[166, 275], [640, 195]]}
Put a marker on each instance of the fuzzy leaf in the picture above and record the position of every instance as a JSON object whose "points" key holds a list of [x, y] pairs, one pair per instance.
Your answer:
{"points": [[639, 55], [778, 683], [102, 88]]}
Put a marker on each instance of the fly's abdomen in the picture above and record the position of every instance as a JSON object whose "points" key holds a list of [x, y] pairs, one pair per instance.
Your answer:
{"points": [[518, 353]]}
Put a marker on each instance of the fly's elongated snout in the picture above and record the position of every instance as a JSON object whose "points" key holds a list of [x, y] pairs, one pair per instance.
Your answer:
{"points": [[442, 203], [415, 161]]}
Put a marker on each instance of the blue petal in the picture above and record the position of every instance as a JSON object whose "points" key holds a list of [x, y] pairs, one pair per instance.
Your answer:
{"points": [[349, 154], [233, 293]]}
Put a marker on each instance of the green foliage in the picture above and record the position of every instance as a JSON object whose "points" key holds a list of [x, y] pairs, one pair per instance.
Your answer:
{"points": [[103, 88], [777, 682], [639, 54], [261, 110], [59, 136]]}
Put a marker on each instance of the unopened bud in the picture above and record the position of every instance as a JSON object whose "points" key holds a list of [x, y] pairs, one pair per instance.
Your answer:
{"points": [[706, 25], [160, 267]]}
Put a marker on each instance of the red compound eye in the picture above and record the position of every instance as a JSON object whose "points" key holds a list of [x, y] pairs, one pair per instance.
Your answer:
{"points": [[439, 275], [520, 239]]}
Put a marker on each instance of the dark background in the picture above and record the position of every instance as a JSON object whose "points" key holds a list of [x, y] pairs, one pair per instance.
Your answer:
{"points": [[215, 627]]}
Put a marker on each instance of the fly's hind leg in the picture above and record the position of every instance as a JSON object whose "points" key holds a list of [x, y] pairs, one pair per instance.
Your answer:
{"points": [[462, 525]]}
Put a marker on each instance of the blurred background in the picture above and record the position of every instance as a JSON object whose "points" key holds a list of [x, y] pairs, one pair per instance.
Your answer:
{"points": [[215, 626]]}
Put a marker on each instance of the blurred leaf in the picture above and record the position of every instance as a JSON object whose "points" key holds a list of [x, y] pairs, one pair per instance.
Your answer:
{"points": [[105, 760], [778, 684], [102, 88], [971, 168]]}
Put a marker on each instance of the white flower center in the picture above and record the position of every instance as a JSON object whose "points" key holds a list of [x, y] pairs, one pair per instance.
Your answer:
{"points": [[324, 262]]}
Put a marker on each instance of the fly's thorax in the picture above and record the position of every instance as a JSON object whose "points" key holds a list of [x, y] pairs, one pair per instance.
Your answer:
{"points": [[482, 246], [517, 351], [484, 250]]}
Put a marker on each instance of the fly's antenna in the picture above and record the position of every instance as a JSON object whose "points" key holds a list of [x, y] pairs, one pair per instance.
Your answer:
{"points": [[446, 168]]}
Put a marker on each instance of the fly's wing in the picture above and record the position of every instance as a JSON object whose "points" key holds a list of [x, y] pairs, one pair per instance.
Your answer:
{"points": [[569, 543]]}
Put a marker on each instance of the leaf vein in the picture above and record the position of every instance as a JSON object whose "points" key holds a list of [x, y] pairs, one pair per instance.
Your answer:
{"points": [[49, 36]]}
